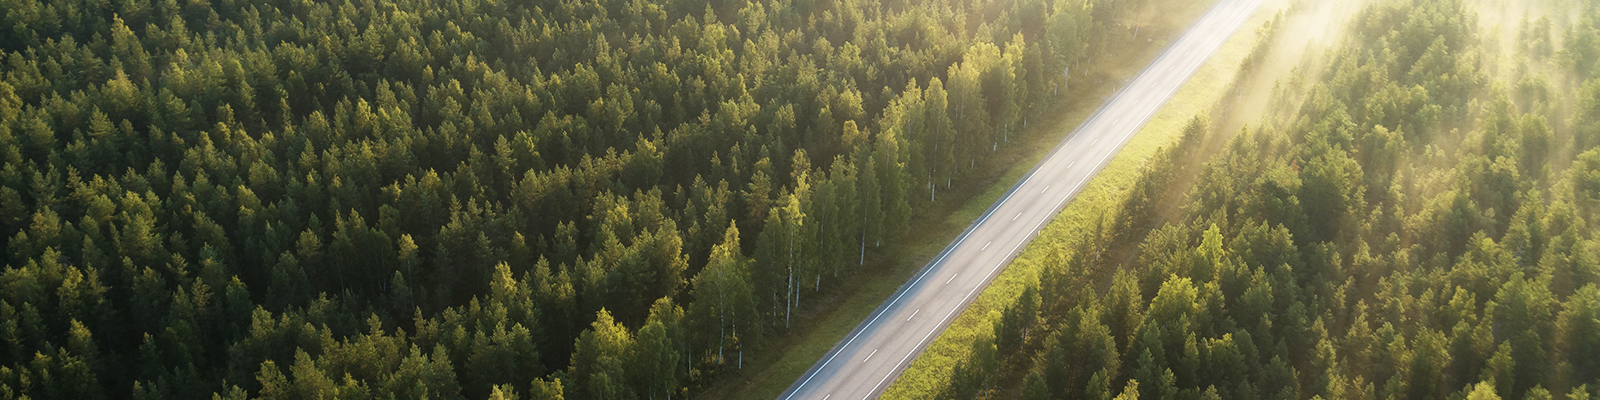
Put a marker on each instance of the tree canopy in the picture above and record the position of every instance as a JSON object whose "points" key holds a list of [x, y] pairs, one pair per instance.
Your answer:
{"points": [[470, 199], [1416, 228]]}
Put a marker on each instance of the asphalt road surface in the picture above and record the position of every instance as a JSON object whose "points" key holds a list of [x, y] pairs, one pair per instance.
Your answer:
{"points": [[878, 350]]}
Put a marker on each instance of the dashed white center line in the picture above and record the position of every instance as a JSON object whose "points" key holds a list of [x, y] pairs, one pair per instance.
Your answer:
{"points": [[952, 277], [826, 397], [1069, 165], [1115, 121], [985, 246], [1168, 80]]}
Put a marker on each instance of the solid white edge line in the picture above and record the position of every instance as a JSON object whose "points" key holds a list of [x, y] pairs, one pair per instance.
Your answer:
{"points": [[1035, 230], [974, 289], [963, 239], [864, 328], [986, 218]]}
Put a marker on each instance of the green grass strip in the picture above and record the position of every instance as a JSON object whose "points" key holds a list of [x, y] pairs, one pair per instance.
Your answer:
{"points": [[930, 372]]}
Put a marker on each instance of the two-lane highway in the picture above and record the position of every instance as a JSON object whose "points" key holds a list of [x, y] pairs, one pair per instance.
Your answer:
{"points": [[877, 351]]}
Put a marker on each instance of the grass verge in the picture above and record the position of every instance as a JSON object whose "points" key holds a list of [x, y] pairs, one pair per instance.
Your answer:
{"points": [[929, 372], [827, 319]]}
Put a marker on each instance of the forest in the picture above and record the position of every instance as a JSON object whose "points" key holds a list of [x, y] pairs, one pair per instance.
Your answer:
{"points": [[1414, 226], [541, 199]]}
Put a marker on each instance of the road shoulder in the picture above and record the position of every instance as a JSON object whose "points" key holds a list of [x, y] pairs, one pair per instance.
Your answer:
{"points": [[929, 372], [832, 315]]}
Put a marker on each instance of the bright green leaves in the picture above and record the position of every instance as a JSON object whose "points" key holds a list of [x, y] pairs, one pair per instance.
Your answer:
{"points": [[724, 299]]}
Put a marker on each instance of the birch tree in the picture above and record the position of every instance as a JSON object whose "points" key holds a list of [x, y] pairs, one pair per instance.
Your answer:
{"points": [[723, 297]]}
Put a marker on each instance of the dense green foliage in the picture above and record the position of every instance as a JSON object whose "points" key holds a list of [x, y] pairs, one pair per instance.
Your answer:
{"points": [[462, 198], [1417, 230]]}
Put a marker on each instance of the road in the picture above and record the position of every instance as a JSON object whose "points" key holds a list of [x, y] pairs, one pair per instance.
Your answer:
{"points": [[878, 350]]}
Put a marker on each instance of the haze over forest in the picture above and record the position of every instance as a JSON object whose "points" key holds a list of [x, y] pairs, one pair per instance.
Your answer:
{"points": [[630, 199], [1405, 217]]}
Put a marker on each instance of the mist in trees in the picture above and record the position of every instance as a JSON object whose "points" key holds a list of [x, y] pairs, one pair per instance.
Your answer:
{"points": [[1418, 228]]}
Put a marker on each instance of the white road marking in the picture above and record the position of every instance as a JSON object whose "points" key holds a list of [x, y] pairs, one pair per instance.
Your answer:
{"points": [[1045, 188], [992, 270], [1189, 71], [1015, 218], [869, 356], [985, 246], [1095, 141], [826, 397], [913, 314], [1069, 165], [902, 294], [952, 277]]}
